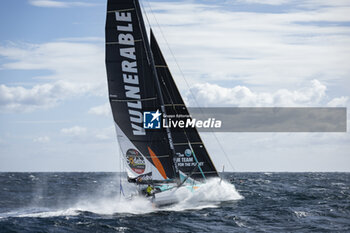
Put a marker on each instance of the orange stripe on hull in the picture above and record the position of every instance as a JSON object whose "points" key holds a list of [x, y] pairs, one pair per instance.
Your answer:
{"points": [[157, 163]]}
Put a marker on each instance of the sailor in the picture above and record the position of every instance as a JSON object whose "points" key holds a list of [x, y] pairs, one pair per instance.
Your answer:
{"points": [[149, 190]]}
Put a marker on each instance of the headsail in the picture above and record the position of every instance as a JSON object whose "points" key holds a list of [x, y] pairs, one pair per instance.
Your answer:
{"points": [[187, 142], [132, 90]]}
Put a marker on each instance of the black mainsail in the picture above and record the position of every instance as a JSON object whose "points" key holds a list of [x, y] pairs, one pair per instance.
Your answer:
{"points": [[138, 82], [132, 90]]}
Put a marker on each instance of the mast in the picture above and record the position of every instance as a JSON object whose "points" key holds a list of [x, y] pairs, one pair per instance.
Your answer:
{"points": [[155, 75]]}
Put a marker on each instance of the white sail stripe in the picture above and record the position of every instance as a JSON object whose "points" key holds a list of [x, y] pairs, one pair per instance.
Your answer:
{"points": [[166, 105], [186, 143], [113, 11], [158, 156], [127, 100]]}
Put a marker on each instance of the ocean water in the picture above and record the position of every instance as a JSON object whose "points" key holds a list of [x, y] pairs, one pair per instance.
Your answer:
{"points": [[244, 202]]}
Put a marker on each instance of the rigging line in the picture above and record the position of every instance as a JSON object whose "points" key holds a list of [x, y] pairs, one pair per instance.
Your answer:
{"points": [[121, 191], [183, 76], [144, 12]]}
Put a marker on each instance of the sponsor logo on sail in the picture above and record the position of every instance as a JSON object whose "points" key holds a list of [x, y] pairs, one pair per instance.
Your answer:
{"points": [[135, 161], [188, 152]]}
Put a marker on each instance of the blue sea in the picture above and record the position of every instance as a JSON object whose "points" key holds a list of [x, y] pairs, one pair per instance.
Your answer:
{"points": [[243, 202]]}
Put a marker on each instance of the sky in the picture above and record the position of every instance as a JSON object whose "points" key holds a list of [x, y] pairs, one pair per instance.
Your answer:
{"points": [[54, 111]]}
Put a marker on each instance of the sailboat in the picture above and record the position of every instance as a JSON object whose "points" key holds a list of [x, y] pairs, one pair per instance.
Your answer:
{"points": [[139, 82]]}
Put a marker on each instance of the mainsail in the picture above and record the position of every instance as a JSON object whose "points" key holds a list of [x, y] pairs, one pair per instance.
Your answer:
{"points": [[139, 81], [132, 91]]}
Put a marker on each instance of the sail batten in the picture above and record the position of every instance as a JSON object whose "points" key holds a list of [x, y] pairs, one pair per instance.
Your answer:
{"points": [[128, 100], [116, 42], [120, 10]]}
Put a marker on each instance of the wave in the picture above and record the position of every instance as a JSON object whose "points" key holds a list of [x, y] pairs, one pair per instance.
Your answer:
{"points": [[209, 195]]}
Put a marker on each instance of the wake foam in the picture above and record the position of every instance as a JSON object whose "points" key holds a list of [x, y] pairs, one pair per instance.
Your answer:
{"points": [[208, 195], [138, 205]]}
